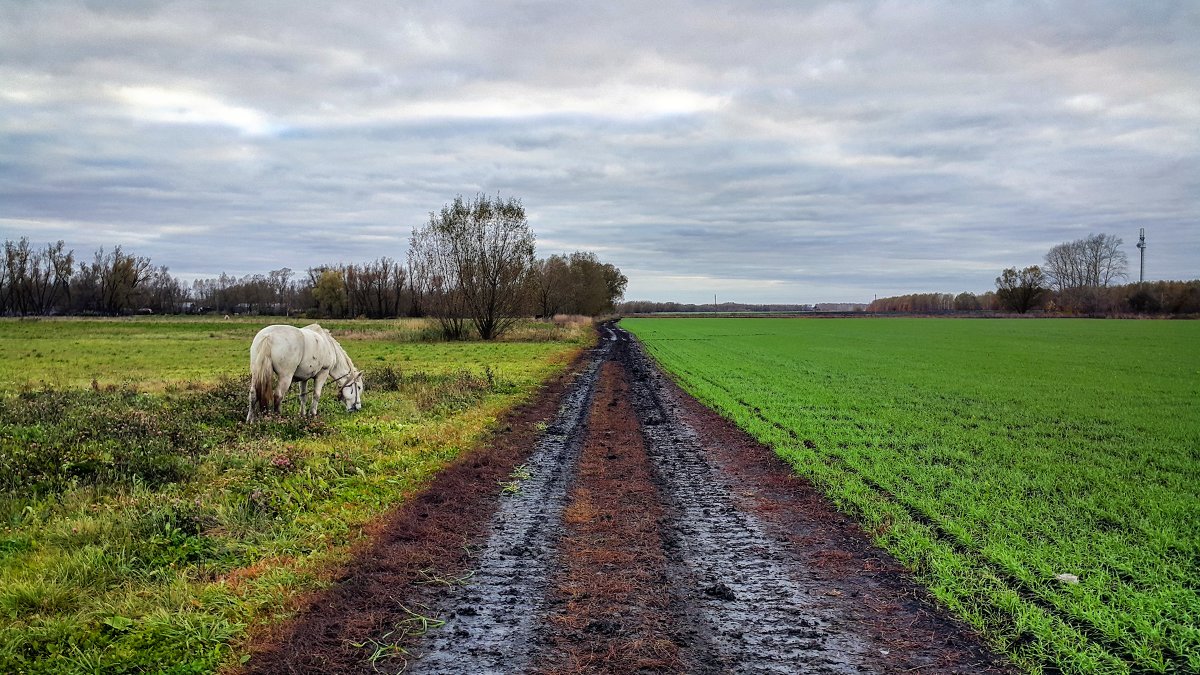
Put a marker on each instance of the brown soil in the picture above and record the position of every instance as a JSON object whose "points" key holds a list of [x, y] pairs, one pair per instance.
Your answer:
{"points": [[865, 583], [653, 536], [609, 603], [427, 539]]}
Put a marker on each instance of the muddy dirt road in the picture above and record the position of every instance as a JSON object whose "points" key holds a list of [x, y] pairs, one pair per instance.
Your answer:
{"points": [[643, 533]]}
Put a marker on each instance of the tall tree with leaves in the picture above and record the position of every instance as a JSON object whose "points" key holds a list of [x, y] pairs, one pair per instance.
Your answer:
{"points": [[596, 287], [1020, 290], [330, 292]]}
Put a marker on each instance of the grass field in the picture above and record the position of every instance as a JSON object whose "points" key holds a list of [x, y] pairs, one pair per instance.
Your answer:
{"points": [[145, 528], [156, 354], [990, 457]]}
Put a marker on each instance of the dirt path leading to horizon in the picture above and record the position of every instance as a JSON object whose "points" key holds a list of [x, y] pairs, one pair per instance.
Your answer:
{"points": [[622, 527]]}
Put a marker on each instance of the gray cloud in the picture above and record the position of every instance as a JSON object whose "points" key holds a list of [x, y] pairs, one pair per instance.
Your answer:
{"points": [[760, 151]]}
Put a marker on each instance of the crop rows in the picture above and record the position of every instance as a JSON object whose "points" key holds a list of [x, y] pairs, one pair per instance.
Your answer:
{"points": [[991, 457]]}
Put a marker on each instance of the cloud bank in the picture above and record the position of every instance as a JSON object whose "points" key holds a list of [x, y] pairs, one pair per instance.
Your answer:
{"points": [[761, 151]]}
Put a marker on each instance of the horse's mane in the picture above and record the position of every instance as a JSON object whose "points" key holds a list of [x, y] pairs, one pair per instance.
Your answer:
{"points": [[316, 328]]}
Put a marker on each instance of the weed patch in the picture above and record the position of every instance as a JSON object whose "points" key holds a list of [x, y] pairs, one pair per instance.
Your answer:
{"points": [[53, 439], [144, 526]]}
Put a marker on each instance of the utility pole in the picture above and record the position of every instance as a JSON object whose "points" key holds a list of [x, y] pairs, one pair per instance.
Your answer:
{"points": [[1142, 254]]}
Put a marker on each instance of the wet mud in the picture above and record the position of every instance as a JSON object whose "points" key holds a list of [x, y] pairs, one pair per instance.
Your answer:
{"points": [[632, 530], [610, 600], [752, 608], [490, 622], [770, 575], [376, 607]]}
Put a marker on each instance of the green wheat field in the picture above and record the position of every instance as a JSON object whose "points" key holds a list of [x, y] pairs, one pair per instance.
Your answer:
{"points": [[991, 457]]}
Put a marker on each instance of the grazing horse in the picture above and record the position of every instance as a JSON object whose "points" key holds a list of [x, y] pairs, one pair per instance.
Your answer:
{"points": [[301, 354]]}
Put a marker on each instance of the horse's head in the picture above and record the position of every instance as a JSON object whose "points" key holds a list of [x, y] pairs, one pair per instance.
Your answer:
{"points": [[351, 393]]}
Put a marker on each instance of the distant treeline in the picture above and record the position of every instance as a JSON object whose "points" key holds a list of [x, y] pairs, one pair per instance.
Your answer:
{"points": [[1151, 297], [648, 307], [50, 281], [1075, 278], [935, 303]]}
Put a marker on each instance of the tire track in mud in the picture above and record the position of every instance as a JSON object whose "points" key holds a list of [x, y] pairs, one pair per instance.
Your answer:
{"points": [[752, 611], [742, 595], [490, 622], [1007, 579], [610, 599]]}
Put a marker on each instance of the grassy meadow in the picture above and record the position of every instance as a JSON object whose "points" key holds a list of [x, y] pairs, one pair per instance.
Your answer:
{"points": [[991, 457], [145, 528]]}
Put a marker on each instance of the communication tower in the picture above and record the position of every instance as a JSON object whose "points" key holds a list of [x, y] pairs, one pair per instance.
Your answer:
{"points": [[1142, 254]]}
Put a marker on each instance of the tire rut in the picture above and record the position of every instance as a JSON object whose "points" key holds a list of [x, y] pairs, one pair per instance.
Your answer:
{"points": [[743, 597], [491, 621], [751, 611]]}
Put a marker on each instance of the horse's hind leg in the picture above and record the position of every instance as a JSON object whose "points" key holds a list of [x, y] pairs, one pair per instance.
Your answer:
{"points": [[303, 396], [250, 411]]}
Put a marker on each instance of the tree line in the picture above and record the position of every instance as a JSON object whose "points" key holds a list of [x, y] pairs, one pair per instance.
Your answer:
{"points": [[653, 307], [471, 266], [1078, 277]]}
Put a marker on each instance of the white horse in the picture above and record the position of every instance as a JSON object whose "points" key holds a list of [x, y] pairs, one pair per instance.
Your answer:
{"points": [[301, 354]]}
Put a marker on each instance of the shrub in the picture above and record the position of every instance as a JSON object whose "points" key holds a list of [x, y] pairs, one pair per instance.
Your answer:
{"points": [[51, 439]]}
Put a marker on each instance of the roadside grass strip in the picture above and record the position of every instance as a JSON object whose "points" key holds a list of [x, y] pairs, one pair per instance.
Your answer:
{"points": [[994, 458], [151, 531]]}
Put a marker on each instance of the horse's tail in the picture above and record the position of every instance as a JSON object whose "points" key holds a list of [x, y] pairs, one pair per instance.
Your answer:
{"points": [[260, 378]]}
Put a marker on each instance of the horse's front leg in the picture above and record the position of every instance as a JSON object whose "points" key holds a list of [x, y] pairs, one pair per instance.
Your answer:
{"points": [[303, 396], [320, 384], [281, 390]]}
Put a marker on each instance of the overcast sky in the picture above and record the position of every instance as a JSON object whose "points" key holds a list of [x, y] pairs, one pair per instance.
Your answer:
{"points": [[771, 151]]}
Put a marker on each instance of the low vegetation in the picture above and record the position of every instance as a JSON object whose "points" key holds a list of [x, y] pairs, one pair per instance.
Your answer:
{"points": [[144, 527], [1039, 477], [176, 353]]}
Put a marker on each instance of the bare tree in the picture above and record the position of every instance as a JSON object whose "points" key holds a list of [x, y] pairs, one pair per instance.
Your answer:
{"points": [[397, 281], [18, 258], [1094, 261], [382, 285], [419, 281], [1021, 290], [433, 270], [113, 282], [480, 251], [283, 288], [163, 292]]}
